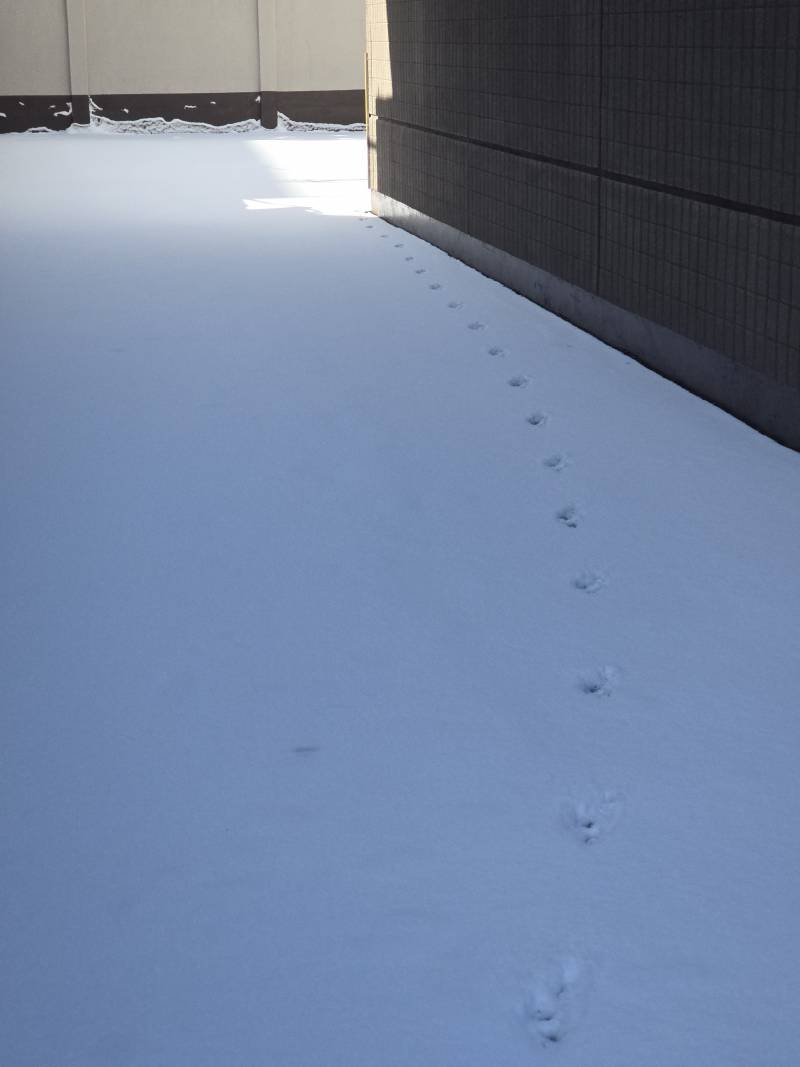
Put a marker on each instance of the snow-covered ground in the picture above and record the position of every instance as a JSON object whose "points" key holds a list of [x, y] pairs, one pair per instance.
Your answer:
{"points": [[393, 675]]}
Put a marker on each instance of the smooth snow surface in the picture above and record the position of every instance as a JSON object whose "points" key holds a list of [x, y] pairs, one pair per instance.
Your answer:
{"points": [[393, 675]]}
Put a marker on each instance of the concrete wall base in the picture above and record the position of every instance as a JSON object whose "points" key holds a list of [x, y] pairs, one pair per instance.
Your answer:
{"points": [[343, 107], [50, 112], [339, 106]]}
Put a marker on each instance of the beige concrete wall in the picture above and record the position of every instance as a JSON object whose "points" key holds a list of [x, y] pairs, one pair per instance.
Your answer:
{"points": [[180, 46], [320, 44], [172, 46], [162, 46], [33, 47]]}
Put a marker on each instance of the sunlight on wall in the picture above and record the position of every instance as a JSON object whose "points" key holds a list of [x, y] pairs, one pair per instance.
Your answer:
{"points": [[380, 66], [379, 77]]}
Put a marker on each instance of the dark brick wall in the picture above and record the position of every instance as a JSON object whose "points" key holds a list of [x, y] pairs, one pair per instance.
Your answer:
{"points": [[646, 151]]}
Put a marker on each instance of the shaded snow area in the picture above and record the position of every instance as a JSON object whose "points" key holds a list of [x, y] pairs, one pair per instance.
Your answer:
{"points": [[393, 675]]}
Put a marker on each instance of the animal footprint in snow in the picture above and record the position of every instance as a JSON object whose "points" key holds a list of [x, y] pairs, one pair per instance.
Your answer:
{"points": [[589, 582], [554, 1002], [568, 516], [455, 305], [384, 236], [518, 382], [557, 462], [592, 817], [420, 270], [496, 350], [434, 285], [370, 227], [399, 244], [409, 258], [538, 418], [600, 683], [476, 326]]}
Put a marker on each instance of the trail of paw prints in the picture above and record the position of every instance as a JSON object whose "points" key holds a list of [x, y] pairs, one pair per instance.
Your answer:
{"points": [[593, 816], [601, 682], [553, 1002]]}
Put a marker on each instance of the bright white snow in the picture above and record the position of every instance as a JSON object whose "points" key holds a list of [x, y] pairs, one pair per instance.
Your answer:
{"points": [[393, 675]]}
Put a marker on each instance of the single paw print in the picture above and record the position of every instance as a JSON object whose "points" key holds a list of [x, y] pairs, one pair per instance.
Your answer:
{"points": [[557, 462], [589, 582], [520, 381], [420, 270], [455, 305], [409, 259], [399, 244], [569, 516], [434, 286], [476, 326], [593, 816], [552, 1005], [538, 418], [600, 683], [496, 350]]}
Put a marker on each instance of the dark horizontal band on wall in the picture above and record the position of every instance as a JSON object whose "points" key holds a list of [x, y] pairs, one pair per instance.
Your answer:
{"points": [[212, 108], [342, 107], [52, 112], [601, 172], [763, 403], [218, 109]]}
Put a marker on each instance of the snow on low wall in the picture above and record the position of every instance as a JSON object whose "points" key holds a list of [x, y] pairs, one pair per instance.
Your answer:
{"points": [[198, 59]]}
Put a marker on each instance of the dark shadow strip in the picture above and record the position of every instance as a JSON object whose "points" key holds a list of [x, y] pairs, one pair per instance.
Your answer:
{"points": [[601, 87]]}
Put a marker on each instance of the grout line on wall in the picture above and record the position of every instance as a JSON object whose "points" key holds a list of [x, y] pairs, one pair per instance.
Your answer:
{"points": [[626, 179]]}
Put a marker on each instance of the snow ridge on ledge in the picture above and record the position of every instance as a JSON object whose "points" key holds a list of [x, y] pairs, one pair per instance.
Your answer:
{"points": [[287, 125], [149, 126]]}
